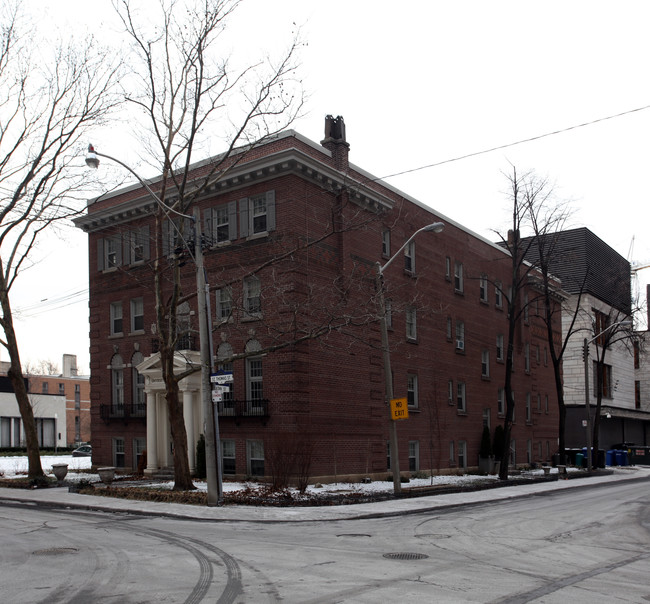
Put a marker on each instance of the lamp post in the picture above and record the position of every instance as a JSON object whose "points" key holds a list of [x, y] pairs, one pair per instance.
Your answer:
{"points": [[585, 356], [211, 418], [436, 227]]}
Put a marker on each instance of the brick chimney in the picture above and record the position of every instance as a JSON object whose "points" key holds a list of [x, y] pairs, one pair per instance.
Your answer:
{"points": [[335, 142]]}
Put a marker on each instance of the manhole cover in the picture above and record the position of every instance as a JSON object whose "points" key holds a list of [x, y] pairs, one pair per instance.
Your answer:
{"points": [[53, 551], [405, 556]]}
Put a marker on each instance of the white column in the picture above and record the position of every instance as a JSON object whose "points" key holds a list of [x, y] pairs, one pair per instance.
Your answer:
{"points": [[152, 433], [188, 417]]}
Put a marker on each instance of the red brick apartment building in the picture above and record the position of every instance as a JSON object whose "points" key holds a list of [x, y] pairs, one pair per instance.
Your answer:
{"points": [[295, 232], [76, 389]]}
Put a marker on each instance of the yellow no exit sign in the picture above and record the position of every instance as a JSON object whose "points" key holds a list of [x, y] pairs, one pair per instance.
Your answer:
{"points": [[399, 408]]}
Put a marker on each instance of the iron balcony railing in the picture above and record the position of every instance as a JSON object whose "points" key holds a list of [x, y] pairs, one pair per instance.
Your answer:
{"points": [[239, 409], [121, 411]]}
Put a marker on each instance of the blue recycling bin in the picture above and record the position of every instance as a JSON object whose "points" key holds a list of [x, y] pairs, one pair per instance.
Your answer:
{"points": [[610, 458], [621, 458]]}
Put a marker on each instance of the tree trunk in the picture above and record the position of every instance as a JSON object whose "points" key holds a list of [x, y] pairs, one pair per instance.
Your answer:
{"points": [[35, 470]]}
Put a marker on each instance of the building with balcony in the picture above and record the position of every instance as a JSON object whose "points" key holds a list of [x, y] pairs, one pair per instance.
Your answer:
{"points": [[293, 233]]}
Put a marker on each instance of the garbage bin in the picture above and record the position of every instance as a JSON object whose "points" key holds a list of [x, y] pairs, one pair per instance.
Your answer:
{"points": [[621, 458], [579, 460], [610, 458], [640, 455]]}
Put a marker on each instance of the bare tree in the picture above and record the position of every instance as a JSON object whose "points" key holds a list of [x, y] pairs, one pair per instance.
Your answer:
{"points": [[188, 92], [48, 102]]}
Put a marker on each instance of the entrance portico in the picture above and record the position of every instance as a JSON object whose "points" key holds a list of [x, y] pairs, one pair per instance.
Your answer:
{"points": [[159, 442]]}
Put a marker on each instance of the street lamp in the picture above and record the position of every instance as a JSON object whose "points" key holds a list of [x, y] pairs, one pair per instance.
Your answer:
{"points": [[585, 356], [436, 227], [211, 428]]}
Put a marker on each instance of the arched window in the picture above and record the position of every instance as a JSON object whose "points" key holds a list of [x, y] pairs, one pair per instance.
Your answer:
{"points": [[117, 385], [137, 380]]}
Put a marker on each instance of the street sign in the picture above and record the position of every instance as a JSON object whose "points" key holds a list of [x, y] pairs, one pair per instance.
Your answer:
{"points": [[221, 377], [217, 392], [399, 408]]}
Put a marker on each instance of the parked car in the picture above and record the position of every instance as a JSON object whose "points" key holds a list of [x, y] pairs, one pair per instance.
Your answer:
{"points": [[83, 451]]}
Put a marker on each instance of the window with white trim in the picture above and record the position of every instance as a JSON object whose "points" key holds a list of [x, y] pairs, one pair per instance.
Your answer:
{"points": [[252, 297], [228, 456], [462, 454], [411, 324], [385, 243], [498, 295], [137, 315], [409, 257], [461, 400], [254, 382], [118, 452], [117, 384], [221, 223], [483, 288], [255, 457], [460, 335], [223, 298], [414, 456], [485, 364], [527, 357], [528, 408], [117, 326], [458, 277], [450, 392], [500, 355], [257, 214], [501, 401], [137, 379], [412, 390]]}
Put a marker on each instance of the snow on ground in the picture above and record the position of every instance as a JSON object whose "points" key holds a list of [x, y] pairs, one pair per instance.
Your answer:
{"points": [[79, 469]]}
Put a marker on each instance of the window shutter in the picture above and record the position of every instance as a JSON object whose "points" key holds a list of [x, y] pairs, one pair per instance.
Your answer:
{"points": [[207, 226], [165, 238], [232, 220], [270, 210], [144, 241], [243, 217], [100, 254]]}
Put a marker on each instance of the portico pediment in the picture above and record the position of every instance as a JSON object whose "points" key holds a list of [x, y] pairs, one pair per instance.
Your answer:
{"points": [[151, 369]]}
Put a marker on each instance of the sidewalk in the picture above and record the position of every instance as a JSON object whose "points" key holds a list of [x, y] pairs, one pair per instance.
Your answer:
{"points": [[61, 498]]}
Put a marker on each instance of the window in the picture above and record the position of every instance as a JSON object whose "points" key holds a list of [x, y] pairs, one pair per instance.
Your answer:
{"points": [[462, 454], [637, 354], [485, 364], [538, 354], [452, 453], [45, 388], [529, 451], [483, 288], [501, 401], [414, 456], [116, 319], [448, 333], [254, 383], [448, 268], [228, 456], [139, 447], [411, 324], [255, 457], [528, 408], [77, 428], [546, 404], [137, 315], [409, 257], [118, 452], [257, 214], [460, 335], [252, 297], [606, 382], [117, 385], [62, 389], [500, 347], [77, 396], [458, 277], [385, 243], [461, 402], [139, 402], [487, 413], [109, 253], [498, 295], [224, 304], [389, 314], [450, 392], [412, 391], [513, 453], [526, 316], [221, 223], [137, 248], [527, 357], [539, 403], [601, 323], [176, 236]]}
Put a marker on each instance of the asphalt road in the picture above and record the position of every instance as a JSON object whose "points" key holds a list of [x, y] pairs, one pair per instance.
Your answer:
{"points": [[581, 545]]}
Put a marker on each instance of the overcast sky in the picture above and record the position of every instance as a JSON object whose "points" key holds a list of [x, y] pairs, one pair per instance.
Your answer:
{"points": [[419, 84]]}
